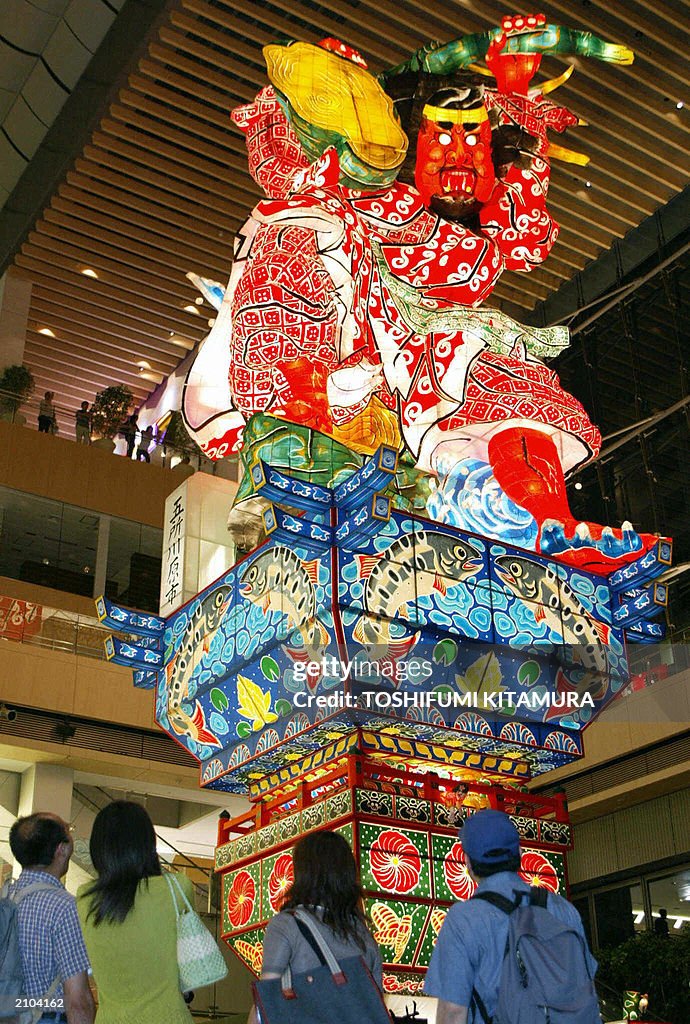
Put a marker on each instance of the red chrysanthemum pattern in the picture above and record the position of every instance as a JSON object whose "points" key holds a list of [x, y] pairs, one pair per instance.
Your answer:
{"points": [[280, 880], [456, 874], [395, 862], [536, 870], [241, 899]]}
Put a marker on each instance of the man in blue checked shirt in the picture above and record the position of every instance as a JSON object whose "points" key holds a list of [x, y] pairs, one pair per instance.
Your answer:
{"points": [[469, 951], [54, 959]]}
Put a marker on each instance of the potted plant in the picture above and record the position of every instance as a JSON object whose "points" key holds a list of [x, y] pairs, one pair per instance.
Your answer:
{"points": [[177, 441], [109, 410], [16, 384], [656, 966]]}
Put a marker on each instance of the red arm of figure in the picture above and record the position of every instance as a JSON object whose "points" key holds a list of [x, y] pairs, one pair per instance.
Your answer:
{"points": [[516, 218]]}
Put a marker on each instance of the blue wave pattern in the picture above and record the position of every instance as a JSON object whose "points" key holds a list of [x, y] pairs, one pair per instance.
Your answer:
{"points": [[469, 497]]}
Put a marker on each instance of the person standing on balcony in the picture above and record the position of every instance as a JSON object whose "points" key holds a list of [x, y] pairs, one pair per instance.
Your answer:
{"points": [[129, 431], [54, 960], [83, 424], [46, 414], [144, 444]]}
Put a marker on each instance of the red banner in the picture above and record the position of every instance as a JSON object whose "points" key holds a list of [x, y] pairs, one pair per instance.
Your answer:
{"points": [[19, 619]]}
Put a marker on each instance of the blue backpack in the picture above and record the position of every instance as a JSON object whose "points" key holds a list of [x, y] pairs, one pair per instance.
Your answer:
{"points": [[11, 974], [545, 978], [11, 970]]}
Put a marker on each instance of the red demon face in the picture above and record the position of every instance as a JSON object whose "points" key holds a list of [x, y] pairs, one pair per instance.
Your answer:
{"points": [[454, 172]]}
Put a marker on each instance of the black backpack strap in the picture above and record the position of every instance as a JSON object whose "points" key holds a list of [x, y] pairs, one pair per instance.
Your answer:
{"points": [[477, 1001], [496, 900], [306, 934], [507, 906], [538, 896]]}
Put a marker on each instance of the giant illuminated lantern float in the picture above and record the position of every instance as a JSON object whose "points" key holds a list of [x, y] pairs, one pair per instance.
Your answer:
{"points": [[354, 308], [422, 627]]}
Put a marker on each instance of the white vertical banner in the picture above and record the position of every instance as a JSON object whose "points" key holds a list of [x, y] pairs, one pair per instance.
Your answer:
{"points": [[174, 542]]}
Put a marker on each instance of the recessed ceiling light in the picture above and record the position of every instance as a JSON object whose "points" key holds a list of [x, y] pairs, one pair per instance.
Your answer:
{"points": [[199, 300], [88, 272], [191, 309], [47, 331], [679, 105], [177, 339], [152, 375], [146, 373], [211, 322], [588, 184], [578, 486]]}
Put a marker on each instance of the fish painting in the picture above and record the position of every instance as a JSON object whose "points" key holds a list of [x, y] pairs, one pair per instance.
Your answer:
{"points": [[279, 581], [413, 566], [199, 632], [552, 601]]}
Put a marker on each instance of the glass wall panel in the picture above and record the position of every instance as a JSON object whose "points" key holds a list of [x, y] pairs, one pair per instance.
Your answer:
{"points": [[615, 912], [47, 543], [55, 545], [78, 543], [610, 916], [672, 895], [134, 564]]}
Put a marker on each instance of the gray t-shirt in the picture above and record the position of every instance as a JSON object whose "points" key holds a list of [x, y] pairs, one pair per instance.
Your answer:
{"points": [[285, 945]]}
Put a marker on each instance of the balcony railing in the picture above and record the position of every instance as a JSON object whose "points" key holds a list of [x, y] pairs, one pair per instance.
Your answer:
{"points": [[161, 452], [28, 623]]}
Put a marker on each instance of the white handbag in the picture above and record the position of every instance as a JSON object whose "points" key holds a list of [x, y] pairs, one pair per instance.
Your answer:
{"points": [[199, 961]]}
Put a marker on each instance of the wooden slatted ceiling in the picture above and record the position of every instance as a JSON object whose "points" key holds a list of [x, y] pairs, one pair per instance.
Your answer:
{"points": [[162, 186]]}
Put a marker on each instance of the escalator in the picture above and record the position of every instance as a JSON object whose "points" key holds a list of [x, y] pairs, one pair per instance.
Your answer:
{"points": [[612, 1009]]}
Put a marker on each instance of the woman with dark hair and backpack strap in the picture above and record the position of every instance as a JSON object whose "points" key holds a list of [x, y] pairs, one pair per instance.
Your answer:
{"points": [[326, 897], [129, 922]]}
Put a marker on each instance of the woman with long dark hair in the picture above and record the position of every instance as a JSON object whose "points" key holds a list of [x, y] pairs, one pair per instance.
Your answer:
{"points": [[326, 885], [128, 919]]}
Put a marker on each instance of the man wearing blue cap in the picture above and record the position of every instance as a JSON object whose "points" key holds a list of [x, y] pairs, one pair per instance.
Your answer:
{"points": [[467, 963]]}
